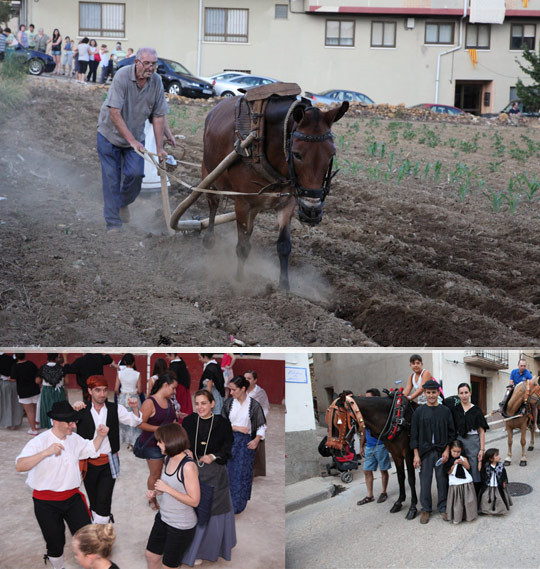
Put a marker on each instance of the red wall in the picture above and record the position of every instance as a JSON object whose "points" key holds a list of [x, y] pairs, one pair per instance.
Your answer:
{"points": [[271, 372]]}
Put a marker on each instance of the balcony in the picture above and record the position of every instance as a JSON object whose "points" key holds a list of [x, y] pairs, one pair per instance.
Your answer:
{"points": [[487, 359]]}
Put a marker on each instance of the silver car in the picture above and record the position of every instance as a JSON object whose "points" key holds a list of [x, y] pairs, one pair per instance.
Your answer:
{"points": [[219, 78], [230, 88]]}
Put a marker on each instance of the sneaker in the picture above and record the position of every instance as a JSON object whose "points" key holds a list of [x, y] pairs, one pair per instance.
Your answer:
{"points": [[424, 518], [198, 562], [31, 432], [124, 214], [114, 229]]}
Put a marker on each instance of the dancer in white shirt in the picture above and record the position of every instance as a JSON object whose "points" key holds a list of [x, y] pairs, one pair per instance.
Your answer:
{"points": [[52, 462], [102, 472]]}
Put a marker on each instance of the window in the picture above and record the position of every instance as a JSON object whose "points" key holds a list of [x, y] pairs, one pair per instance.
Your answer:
{"points": [[439, 33], [523, 35], [282, 11], [226, 25], [98, 19], [478, 36], [339, 32], [383, 34]]}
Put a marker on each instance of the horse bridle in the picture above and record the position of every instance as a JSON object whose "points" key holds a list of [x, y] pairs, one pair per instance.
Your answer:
{"points": [[311, 214]]}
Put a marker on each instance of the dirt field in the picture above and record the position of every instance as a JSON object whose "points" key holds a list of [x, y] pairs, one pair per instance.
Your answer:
{"points": [[431, 236]]}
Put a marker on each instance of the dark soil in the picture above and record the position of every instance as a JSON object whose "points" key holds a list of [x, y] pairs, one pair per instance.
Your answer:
{"points": [[400, 258]]}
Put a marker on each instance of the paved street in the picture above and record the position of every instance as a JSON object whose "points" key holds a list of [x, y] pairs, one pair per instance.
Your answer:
{"points": [[336, 533]]}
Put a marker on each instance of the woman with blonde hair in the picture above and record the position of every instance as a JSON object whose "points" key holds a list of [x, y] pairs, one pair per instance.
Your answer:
{"points": [[92, 546]]}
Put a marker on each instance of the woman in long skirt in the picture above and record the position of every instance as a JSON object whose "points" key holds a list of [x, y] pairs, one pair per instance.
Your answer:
{"points": [[52, 388], [211, 439], [249, 427], [11, 411]]}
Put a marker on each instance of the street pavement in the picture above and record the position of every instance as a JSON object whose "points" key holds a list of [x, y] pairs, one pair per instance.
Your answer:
{"points": [[333, 532], [260, 528]]}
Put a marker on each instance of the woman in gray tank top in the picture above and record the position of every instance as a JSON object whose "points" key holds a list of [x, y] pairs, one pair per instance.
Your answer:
{"points": [[174, 524]]}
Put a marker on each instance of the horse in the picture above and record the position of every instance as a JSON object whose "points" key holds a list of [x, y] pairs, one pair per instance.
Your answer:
{"points": [[376, 413], [295, 157], [522, 396]]}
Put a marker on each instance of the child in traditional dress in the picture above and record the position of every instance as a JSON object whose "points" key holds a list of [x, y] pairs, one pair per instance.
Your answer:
{"points": [[92, 546], [494, 498], [461, 503]]}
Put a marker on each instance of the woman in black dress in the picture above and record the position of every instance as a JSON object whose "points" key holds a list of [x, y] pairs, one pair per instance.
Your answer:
{"points": [[211, 439], [471, 427]]}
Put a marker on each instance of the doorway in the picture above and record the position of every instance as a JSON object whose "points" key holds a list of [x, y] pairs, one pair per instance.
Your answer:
{"points": [[479, 392], [468, 97]]}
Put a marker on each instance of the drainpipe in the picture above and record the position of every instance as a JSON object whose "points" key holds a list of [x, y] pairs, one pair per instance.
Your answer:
{"points": [[437, 80], [199, 47]]}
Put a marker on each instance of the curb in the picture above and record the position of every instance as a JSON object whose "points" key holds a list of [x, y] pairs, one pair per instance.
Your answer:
{"points": [[308, 500]]}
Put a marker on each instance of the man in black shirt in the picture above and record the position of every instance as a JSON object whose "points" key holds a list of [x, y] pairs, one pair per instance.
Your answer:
{"points": [[432, 431], [84, 367]]}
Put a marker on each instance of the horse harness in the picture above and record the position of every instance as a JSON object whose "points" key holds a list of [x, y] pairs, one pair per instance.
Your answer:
{"points": [[341, 419], [250, 116], [397, 414]]}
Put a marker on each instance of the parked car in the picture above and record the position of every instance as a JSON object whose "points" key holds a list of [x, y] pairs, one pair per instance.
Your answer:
{"points": [[231, 88], [524, 111], [177, 80], [338, 96], [444, 109], [35, 61], [219, 78]]}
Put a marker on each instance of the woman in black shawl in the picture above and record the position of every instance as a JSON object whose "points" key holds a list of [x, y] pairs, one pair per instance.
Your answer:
{"points": [[471, 427], [211, 439], [249, 427], [212, 380]]}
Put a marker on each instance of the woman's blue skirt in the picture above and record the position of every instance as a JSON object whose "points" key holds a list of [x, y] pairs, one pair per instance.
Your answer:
{"points": [[240, 469]]}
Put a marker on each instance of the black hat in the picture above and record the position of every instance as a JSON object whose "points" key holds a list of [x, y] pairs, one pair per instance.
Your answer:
{"points": [[431, 384], [63, 411]]}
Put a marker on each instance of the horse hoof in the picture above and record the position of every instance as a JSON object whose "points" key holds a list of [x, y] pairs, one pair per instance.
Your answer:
{"points": [[209, 240], [522, 463], [530, 448], [507, 462], [395, 508], [411, 514]]}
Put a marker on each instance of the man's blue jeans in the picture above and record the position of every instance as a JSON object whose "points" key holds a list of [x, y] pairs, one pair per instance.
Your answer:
{"points": [[118, 162]]}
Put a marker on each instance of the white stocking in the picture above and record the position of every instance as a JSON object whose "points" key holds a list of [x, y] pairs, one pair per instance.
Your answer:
{"points": [[57, 562], [100, 519]]}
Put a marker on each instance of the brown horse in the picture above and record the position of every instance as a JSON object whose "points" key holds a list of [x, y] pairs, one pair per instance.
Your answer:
{"points": [[377, 414], [522, 396], [298, 153]]}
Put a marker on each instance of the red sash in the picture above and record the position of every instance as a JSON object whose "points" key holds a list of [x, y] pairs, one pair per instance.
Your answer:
{"points": [[60, 496]]}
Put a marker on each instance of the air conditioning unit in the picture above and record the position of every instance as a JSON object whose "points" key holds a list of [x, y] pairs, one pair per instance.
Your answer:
{"points": [[409, 24]]}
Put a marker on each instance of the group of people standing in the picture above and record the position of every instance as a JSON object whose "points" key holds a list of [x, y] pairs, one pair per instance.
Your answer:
{"points": [[200, 463], [80, 59], [448, 441]]}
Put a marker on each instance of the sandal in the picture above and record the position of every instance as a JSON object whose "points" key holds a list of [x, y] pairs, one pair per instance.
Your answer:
{"points": [[382, 498], [365, 500]]}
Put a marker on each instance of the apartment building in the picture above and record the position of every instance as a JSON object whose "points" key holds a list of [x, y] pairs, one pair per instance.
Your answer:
{"points": [[395, 51]]}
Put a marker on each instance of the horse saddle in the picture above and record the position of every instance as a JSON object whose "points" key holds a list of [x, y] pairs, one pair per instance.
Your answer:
{"points": [[504, 403], [249, 116]]}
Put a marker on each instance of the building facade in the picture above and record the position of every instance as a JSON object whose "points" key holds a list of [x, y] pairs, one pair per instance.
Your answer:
{"points": [[486, 371], [395, 51]]}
